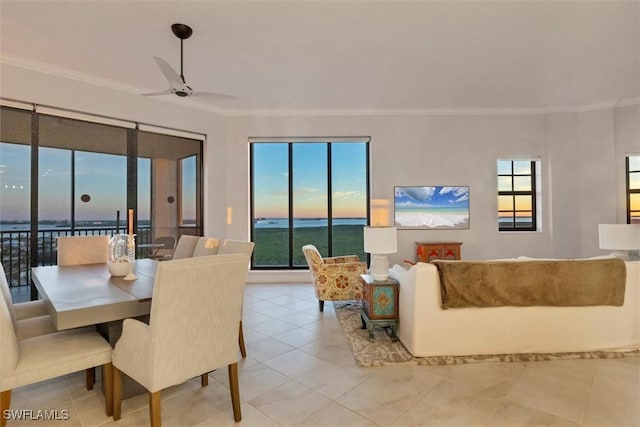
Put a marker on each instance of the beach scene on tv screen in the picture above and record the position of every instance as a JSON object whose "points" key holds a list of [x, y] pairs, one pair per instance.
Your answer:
{"points": [[436, 207]]}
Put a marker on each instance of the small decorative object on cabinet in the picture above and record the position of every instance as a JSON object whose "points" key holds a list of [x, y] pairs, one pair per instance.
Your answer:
{"points": [[428, 251], [379, 305]]}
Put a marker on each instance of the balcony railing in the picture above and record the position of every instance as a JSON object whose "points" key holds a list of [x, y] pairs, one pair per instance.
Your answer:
{"points": [[15, 248]]}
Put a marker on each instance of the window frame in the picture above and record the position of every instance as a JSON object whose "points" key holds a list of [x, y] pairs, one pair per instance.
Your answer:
{"points": [[629, 190], [329, 141], [532, 192], [42, 127]]}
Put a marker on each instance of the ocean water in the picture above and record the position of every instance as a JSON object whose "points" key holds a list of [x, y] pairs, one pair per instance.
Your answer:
{"points": [[52, 226], [260, 223], [306, 222]]}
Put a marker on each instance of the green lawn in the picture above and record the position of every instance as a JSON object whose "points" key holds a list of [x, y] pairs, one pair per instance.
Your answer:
{"points": [[272, 244]]}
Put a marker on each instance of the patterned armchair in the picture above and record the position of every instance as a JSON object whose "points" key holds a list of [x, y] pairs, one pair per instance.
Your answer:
{"points": [[335, 279]]}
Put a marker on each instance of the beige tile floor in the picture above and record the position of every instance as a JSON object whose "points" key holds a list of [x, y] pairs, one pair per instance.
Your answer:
{"points": [[300, 372]]}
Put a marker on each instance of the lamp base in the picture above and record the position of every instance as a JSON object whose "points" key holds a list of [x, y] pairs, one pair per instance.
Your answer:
{"points": [[379, 268]]}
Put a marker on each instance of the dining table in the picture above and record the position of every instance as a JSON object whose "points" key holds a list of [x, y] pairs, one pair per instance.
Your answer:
{"points": [[87, 295], [83, 295]]}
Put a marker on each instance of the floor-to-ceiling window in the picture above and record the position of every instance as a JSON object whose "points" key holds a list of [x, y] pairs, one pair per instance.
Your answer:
{"points": [[307, 191], [175, 201], [74, 174]]}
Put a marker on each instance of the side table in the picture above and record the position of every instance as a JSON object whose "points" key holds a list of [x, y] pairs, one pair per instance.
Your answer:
{"points": [[379, 305]]}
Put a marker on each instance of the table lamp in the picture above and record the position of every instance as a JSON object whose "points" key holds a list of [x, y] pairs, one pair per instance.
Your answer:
{"points": [[379, 241], [622, 239]]}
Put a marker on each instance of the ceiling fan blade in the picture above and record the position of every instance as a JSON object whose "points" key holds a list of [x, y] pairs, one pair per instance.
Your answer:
{"points": [[212, 95], [169, 73], [164, 92]]}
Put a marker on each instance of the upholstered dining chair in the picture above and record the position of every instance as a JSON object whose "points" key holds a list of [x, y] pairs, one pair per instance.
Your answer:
{"points": [[334, 278], [192, 329], [213, 246], [78, 250], [207, 246], [30, 318], [238, 247], [40, 358], [185, 247]]}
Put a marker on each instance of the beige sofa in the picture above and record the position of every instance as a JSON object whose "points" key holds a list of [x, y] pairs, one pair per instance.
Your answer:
{"points": [[426, 329]]}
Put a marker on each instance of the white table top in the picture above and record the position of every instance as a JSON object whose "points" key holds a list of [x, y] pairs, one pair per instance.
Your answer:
{"points": [[82, 295]]}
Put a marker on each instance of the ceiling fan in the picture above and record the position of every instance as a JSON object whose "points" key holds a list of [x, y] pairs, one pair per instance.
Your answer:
{"points": [[177, 83]]}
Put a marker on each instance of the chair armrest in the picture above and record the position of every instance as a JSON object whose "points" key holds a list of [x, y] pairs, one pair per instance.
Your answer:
{"points": [[26, 310], [341, 259]]}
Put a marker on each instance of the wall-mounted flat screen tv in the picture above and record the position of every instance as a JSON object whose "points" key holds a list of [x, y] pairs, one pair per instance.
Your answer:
{"points": [[432, 207]]}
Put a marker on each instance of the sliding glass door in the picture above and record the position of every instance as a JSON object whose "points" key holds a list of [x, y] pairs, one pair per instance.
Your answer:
{"points": [[64, 176]]}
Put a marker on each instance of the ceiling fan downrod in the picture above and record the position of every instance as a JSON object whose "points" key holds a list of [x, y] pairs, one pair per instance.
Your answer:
{"points": [[182, 32]]}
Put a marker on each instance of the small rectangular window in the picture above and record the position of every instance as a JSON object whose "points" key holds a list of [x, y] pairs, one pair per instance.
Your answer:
{"points": [[517, 195], [633, 189]]}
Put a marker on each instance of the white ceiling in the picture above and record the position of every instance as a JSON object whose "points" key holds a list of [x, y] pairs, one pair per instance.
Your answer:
{"points": [[342, 56]]}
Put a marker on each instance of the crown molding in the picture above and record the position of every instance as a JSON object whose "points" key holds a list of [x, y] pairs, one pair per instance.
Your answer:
{"points": [[281, 112], [66, 73], [387, 112], [627, 102]]}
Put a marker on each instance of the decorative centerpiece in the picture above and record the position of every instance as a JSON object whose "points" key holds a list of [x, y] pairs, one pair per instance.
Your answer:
{"points": [[120, 263], [131, 255]]}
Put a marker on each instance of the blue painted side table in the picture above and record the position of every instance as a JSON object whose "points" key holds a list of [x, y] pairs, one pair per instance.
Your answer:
{"points": [[379, 305]]}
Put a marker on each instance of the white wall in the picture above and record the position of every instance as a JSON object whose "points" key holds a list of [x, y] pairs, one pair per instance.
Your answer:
{"points": [[587, 153], [426, 150], [627, 140], [582, 157]]}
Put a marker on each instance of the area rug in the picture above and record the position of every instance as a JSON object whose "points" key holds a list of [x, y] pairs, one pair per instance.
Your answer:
{"points": [[383, 352]]}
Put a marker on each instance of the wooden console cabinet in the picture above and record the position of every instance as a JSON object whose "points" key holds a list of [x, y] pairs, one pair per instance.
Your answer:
{"points": [[428, 251]]}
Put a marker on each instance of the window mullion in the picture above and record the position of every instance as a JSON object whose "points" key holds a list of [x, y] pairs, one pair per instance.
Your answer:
{"points": [[329, 203], [290, 191]]}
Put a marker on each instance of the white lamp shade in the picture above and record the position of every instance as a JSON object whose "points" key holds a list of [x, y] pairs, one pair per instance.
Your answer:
{"points": [[380, 240], [622, 237]]}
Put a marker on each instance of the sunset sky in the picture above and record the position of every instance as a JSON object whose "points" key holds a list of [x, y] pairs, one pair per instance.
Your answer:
{"points": [[310, 188], [100, 176]]}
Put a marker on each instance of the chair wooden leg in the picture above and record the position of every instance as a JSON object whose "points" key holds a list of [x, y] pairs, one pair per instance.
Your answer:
{"points": [[117, 393], [235, 391], [204, 379], [91, 378], [5, 404], [321, 303], [243, 349], [107, 387], [154, 409]]}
